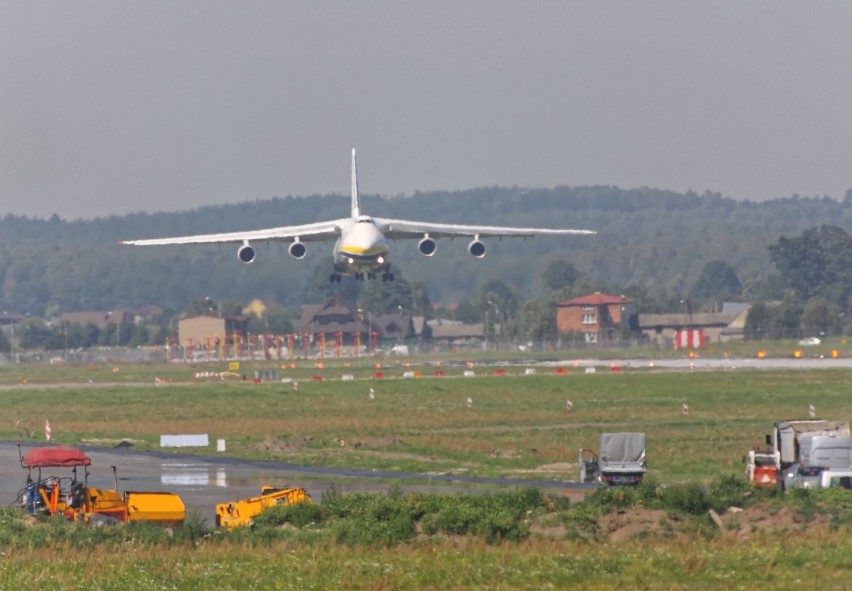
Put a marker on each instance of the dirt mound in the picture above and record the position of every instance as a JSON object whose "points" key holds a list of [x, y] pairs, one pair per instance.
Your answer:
{"points": [[649, 524], [635, 524], [744, 523]]}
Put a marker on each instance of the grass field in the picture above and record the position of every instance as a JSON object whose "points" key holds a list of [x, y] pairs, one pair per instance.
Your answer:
{"points": [[516, 426]]}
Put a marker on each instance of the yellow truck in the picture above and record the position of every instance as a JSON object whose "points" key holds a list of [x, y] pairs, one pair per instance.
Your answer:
{"points": [[72, 497], [242, 512]]}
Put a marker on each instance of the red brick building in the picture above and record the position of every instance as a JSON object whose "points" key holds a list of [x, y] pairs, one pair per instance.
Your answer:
{"points": [[598, 317]]}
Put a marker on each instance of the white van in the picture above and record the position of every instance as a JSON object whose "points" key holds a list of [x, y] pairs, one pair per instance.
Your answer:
{"points": [[836, 479], [833, 453]]}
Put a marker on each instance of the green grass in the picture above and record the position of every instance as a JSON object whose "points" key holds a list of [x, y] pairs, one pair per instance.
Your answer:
{"points": [[517, 425], [431, 541]]}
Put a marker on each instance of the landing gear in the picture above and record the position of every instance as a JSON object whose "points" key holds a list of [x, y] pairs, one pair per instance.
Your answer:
{"points": [[359, 276], [371, 275], [387, 276], [334, 277]]}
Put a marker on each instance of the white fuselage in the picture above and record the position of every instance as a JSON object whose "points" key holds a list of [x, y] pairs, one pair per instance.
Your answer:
{"points": [[361, 248]]}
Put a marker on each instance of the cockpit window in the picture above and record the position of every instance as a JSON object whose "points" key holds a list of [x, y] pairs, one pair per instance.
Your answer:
{"points": [[364, 219]]}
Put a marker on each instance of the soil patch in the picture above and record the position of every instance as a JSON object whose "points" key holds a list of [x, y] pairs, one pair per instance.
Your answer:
{"points": [[745, 523], [273, 444]]}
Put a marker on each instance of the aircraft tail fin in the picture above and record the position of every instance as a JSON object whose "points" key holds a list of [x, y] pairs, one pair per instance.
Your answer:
{"points": [[356, 205]]}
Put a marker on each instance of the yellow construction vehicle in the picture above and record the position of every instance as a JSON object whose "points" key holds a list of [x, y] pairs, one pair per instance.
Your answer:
{"points": [[243, 512], [77, 501]]}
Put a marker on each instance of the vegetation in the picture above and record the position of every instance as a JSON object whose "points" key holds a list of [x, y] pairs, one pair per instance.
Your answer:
{"points": [[658, 248], [657, 535], [518, 539], [516, 425], [650, 240]]}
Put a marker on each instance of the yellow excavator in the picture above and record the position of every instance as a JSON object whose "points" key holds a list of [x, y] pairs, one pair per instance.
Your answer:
{"points": [[74, 499], [242, 512]]}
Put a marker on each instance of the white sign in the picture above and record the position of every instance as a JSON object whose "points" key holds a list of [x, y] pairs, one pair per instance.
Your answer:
{"points": [[184, 440]]}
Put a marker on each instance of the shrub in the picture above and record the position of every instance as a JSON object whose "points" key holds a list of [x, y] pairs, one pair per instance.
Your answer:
{"points": [[193, 529], [146, 533], [685, 498], [298, 514]]}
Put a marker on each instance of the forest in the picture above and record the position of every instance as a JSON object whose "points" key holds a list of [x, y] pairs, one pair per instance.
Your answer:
{"points": [[658, 247]]}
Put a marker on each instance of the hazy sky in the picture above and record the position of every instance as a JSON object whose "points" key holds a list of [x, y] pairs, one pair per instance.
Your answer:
{"points": [[110, 107]]}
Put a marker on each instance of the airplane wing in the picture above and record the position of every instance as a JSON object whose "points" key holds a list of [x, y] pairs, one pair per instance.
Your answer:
{"points": [[411, 229], [314, 232]]}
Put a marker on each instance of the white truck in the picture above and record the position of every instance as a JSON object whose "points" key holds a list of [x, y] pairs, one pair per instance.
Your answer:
{"points": [[818, 454], [775, 465], [832, 453], [620, 460], [785, 440]]}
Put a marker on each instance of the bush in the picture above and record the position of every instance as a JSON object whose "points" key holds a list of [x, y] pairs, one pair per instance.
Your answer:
{"points": [[298, 514], [193, 529], [729, 491], [685, 498]]}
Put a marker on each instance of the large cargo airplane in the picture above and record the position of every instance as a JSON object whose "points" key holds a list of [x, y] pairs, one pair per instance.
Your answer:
{"points": [[361, 247]]}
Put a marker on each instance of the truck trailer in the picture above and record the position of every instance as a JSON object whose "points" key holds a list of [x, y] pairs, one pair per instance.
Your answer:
{"points": [[620, 460]]}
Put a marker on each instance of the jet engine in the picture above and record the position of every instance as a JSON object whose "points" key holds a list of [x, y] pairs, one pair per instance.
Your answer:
{"points": [[427, 246], [297, 250], [476, 248], [246, 253]]}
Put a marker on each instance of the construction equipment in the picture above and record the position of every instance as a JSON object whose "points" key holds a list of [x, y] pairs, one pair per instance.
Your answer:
{"points": [[242, 512], [621, 460], [77, 501]]}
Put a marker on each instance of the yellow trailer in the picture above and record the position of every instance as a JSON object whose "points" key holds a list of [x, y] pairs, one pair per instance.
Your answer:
{"points": [[242, 512]]}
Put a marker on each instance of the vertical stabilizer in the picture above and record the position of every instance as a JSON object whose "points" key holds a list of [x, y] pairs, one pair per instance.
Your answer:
{"points": [[356, 206]]}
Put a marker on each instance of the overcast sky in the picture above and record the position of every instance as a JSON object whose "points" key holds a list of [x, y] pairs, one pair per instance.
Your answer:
{"points": [[111, 107]]}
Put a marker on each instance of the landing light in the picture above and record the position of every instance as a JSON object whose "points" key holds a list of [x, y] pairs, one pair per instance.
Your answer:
{"points": [[350, 260], [380, 260]]}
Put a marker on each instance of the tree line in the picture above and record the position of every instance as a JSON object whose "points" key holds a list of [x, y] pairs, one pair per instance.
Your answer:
{"points": [[656, 247]]}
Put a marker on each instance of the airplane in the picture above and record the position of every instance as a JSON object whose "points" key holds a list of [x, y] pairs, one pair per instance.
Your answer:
{"points": [[361, 248]]}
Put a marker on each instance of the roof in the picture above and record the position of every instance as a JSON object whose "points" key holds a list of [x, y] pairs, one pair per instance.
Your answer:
{"points": [[9, 318], [147, 310], [101, 319], [395, 324], [334, 306], [734, 307], [679, 319], [55, 456], [456, 331], [596, 299]]}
